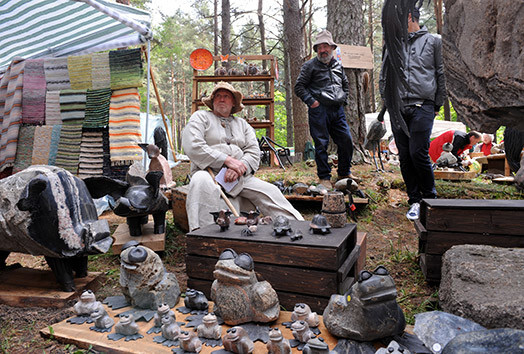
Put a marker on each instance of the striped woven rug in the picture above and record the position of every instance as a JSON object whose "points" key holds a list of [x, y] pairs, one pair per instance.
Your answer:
{"points": [[124, 127], [33, 95], [24, 152], [56, 74], [91, 159], [68, 152], [41, 145], [11, 111], [126, 68], [52, 108], [72, 104], [97, 108], [80, 68], [100, 74], [53, 146]]}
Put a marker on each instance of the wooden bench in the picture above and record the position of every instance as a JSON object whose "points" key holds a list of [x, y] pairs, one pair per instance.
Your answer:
{"points": [[309, 270], [445, 223]]}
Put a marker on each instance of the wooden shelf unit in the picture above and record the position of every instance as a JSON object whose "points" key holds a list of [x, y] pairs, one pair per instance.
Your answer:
{"points": [[269, 124]]}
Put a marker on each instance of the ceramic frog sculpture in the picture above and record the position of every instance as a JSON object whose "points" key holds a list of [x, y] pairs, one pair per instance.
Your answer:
{"points": [[239, 297], [303, 312], [237, 341], [209, 327], [277, 343]]}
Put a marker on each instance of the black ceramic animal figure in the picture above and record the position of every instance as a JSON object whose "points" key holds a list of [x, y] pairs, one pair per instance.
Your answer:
{"points": [[369, 310], [135, 199], [252, 216], [45, 210], [195, 300], [222, 218], [316, 346], [319, 225], [281, 226]]}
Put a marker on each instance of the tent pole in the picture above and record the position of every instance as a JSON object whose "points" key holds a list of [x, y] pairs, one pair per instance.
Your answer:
{"points": [[148, 99], [150, 73]]}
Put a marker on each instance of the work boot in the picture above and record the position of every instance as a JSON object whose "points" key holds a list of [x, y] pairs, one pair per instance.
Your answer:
{"points": [[326, 183]]}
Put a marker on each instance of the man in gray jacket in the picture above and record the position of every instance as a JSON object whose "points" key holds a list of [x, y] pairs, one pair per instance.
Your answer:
{"points": [[424, 73], [323, 86]]}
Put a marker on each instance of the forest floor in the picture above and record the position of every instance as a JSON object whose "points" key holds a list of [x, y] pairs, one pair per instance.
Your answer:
{"points": [[391, 241]]}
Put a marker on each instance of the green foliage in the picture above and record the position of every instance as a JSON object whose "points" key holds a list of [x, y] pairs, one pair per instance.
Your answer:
{"points": [[453, 113]]}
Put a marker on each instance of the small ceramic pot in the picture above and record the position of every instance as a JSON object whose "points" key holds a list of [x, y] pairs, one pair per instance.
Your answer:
{"points": [[334, 209]]}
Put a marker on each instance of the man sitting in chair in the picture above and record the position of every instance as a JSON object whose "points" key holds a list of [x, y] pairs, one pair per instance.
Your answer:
{"points": [[216, 139]]}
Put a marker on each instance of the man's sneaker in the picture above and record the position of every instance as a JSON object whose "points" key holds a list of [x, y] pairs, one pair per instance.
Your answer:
{"points": [[326, 183], [413, 212]]}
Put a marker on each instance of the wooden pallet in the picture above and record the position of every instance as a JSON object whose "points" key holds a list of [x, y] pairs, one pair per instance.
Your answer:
{"points": [[309, 270], [156, 242], [26, 287], [83, 337], [454, 175]]}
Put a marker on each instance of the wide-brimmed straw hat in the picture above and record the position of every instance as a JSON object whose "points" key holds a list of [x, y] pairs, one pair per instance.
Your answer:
{"points": [[324, 37], [237, 95]]}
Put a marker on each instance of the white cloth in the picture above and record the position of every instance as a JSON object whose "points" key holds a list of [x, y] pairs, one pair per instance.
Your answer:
{"points": [[207, 140]]}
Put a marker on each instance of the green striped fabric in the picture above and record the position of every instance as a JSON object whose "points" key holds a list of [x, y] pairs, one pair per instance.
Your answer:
{"points": [[72, 104], [97, 108], [42, 28], [68, 153]]}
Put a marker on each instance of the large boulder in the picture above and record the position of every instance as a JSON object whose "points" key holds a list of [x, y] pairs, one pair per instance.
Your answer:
{"points": [[484, 62], [484, 284]]}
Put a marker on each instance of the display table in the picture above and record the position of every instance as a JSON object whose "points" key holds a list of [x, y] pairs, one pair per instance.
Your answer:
{"points": [[309, 270]]}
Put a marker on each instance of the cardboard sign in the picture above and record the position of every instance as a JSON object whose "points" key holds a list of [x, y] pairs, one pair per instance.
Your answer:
{"points": [[354, 57]]}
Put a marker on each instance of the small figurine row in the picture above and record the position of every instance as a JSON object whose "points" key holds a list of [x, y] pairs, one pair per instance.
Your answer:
{"points": [[281, 224], [344, 185]]}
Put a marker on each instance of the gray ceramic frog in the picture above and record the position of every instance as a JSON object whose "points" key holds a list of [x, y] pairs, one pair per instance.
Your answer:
{"points": [[103, 322], [189, 342], [86, 303], [170, 329], [239, 297], [277, 343], [303, 312], [209, 327], [126, 326], [236, 340], [316, 346], [301, 331], [163, 310]]}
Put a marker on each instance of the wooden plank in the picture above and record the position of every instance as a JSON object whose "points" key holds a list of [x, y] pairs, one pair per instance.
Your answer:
{"points": [[178, 200], [431, 265], [291, 279], [421, 230], [318, 198], [454, 175], [481, 221], [287, 299], [156, 242], [439, 242], [348, 264], [26, 287], [83, 337], [361, 261], [345, 285], [490, 204]]}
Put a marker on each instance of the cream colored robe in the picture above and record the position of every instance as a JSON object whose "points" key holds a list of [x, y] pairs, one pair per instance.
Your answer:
{"points": [[205, 141]]}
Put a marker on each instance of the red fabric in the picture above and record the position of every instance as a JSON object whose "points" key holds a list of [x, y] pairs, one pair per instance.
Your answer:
{"points": [[435, 148], [486, 148]]}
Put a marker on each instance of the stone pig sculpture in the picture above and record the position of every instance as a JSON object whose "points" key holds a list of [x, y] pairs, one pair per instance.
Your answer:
{"points": [[45, 210], [135, 199]]}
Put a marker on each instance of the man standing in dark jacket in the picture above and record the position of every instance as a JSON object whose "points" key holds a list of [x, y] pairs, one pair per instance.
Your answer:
{"points": [[424, 73], [323, 86]]}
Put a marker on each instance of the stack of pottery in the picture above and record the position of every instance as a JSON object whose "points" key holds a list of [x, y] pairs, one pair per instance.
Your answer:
{"points": [[334, 209]]}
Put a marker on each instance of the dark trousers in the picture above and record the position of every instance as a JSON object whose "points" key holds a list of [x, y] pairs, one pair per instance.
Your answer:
{"points": [[326, 121], [415, 163]]}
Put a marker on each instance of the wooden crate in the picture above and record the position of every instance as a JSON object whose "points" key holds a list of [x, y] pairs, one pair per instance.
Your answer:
{"points": [[454, 175], [309, 270], [148, 238], [445, 223]]}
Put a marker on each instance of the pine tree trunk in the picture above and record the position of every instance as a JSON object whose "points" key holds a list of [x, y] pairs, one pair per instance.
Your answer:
{"points": [[295, 48], [345, 20], [289, 105], [215, 30], [226, 28], [263, 49]]}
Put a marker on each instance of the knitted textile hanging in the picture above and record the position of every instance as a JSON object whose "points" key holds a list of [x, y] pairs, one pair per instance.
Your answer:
{"points": [[124, 127], [52, 108], [24, 152], [33, 96], [56, 74], [126, 68], [72, 104], [97, 108], [68, 152], [91, 160], [41, 145], [53, 145], [11, 111], [80, 72], [100, 74]]}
